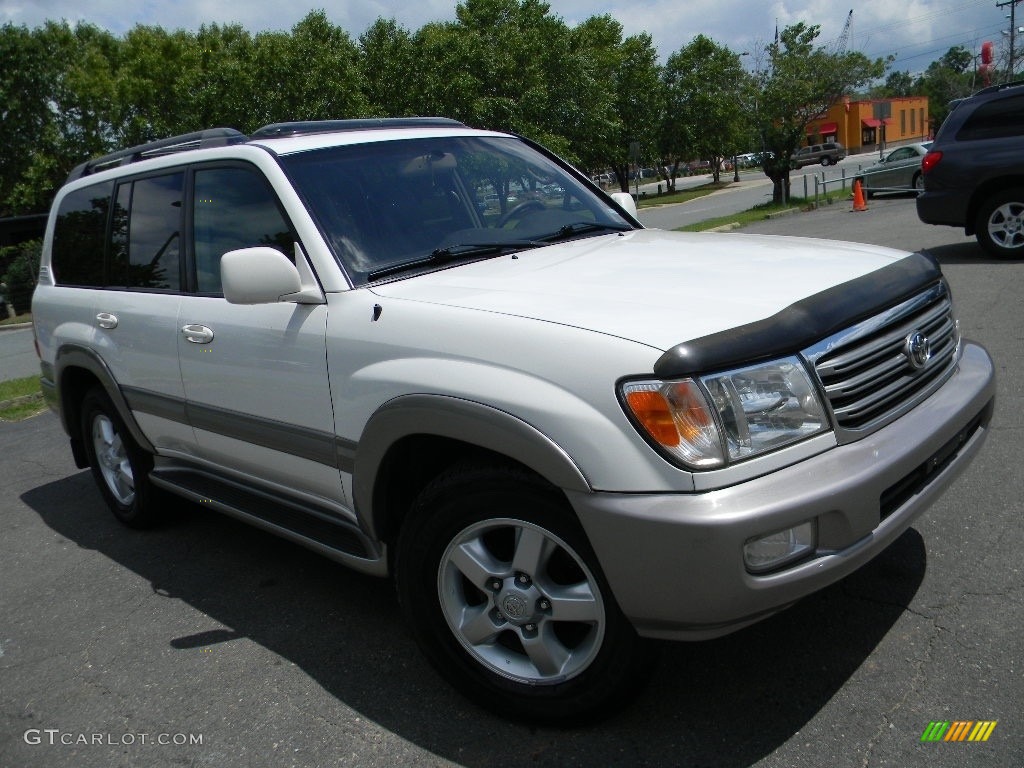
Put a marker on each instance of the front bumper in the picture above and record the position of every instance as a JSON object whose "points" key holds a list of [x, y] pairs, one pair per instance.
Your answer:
{"points": [[675, 561]]}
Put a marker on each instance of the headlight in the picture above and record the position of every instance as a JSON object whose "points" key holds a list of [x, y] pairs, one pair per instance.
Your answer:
{"points": [[722, 418]]}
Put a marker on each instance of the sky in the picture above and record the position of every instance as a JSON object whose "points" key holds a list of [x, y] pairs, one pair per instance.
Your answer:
{"points": [[914, 31]]}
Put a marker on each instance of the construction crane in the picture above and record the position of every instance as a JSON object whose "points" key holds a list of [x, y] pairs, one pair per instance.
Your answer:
{"points": [[844, 36]]}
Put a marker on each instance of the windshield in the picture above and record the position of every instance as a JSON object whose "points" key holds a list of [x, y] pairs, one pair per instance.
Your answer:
{"points": [[388, 204]]}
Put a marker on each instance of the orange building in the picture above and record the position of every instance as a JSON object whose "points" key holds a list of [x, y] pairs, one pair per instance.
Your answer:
{"points": [[862, 126]]}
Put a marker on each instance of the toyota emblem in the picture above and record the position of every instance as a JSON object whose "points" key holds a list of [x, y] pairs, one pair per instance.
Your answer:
{"points": [[918, 350]]}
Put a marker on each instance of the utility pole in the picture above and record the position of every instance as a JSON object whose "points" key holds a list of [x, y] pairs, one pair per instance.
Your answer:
{"points": [[1013, 31]]}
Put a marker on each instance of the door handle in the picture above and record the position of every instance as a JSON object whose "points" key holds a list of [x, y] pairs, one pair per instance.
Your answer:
{"points": [[106, 320], [197, 334]]}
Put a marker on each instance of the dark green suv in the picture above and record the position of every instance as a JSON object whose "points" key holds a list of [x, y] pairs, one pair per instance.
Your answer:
{"points": [[974, 172]]}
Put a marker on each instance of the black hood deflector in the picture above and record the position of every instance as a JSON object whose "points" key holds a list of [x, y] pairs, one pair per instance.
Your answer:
{"points": [[804, 323]]}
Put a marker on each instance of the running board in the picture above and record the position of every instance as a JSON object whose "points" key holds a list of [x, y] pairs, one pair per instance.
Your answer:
{"points": [[313, 527]]}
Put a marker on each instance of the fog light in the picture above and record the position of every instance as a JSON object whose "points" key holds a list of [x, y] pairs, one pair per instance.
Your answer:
{"points": [[769, 552]]}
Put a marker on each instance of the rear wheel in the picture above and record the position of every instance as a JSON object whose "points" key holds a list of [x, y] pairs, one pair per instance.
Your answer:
{"points": [[506, 599], [119, 466], [826, 160], [999, 226]]}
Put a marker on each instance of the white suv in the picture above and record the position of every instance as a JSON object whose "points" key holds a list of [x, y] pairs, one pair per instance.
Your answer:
{"points": [[443, 354]]}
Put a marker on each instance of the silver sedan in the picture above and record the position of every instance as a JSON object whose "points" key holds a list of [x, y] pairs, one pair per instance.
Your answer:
{"points": [[898, 171]]}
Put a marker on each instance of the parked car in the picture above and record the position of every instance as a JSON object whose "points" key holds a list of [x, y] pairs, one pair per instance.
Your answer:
{"points": [[897, 171], [562, 435], [974, 171], [829, 153], [748, 160]]}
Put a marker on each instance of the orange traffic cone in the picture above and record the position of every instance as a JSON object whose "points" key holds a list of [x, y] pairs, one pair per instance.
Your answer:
{"points": [[859, 204]]}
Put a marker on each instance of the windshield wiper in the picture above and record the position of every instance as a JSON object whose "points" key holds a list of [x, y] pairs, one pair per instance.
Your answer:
{"points": [[455, 253], [581, 227]]}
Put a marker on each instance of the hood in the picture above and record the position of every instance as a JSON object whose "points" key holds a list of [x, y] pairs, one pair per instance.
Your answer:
{"points": [[650, 286]]}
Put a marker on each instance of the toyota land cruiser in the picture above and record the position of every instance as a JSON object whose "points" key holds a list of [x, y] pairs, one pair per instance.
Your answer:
{"points": [[443, 354]]}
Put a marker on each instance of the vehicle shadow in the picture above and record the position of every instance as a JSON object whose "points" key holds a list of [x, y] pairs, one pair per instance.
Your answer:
{"points": [[962, 253], [727, 702]]}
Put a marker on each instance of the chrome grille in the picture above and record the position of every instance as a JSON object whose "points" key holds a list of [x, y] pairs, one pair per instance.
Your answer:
{"points": [[866, 372]]}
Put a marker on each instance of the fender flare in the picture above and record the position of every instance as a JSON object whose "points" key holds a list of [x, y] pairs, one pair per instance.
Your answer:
{"points": [[458, 419], [75, 356]]}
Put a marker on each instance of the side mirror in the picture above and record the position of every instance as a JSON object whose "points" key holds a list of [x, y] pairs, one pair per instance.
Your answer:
{"points": [[258, 275], [626, 202]]}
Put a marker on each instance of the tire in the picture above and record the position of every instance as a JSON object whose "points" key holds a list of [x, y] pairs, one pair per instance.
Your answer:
{"points": [[826, 160], [506, 599], [119, 466], [917, 183], [999, 225]]}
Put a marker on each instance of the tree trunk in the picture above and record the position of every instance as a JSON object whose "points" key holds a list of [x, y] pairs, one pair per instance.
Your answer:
{"points": [[622, 176], [780, 188], [779, 174], [670, 172]]}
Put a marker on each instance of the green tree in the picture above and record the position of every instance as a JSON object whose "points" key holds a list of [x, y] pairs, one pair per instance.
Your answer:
{"points": [[311, 73], [705, 89], [217, 80], [957, 58], [638, 100], [625, 97], [25, 80], [21, 273], [148, 75], [800, 83], [387, 64], [897, 85], [441, 83], [949, 77], [56, 101]]}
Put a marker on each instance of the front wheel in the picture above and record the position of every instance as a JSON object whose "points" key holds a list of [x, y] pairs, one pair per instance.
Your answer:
{"points": [[918, 183], [1000, 224], [826, 161], [507, 601]]}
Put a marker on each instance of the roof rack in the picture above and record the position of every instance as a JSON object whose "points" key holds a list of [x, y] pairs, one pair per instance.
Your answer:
{"points": [[221, 137], [212, 137], [306, 127], [999, 87]]}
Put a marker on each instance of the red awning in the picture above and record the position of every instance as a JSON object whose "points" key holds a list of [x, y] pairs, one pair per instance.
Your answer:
{"points": [[822, 129], [871, 122]]}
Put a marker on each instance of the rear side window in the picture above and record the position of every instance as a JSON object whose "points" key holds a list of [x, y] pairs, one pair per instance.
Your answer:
{"points": [[995, 120], [146, 234], [234, 207], [78, 236]]}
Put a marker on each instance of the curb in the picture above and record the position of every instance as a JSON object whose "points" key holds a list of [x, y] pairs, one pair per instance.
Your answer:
{"points": [[780, 214], [22, 400], [15, 327]]}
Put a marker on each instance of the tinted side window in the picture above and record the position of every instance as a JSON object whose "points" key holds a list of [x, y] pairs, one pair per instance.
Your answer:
{"points": [[78, 236], [234, 207], [146, 235], [994, 120]]}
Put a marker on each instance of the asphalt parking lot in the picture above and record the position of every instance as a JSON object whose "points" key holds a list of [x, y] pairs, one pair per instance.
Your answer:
{"points": [[207, 642]]}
